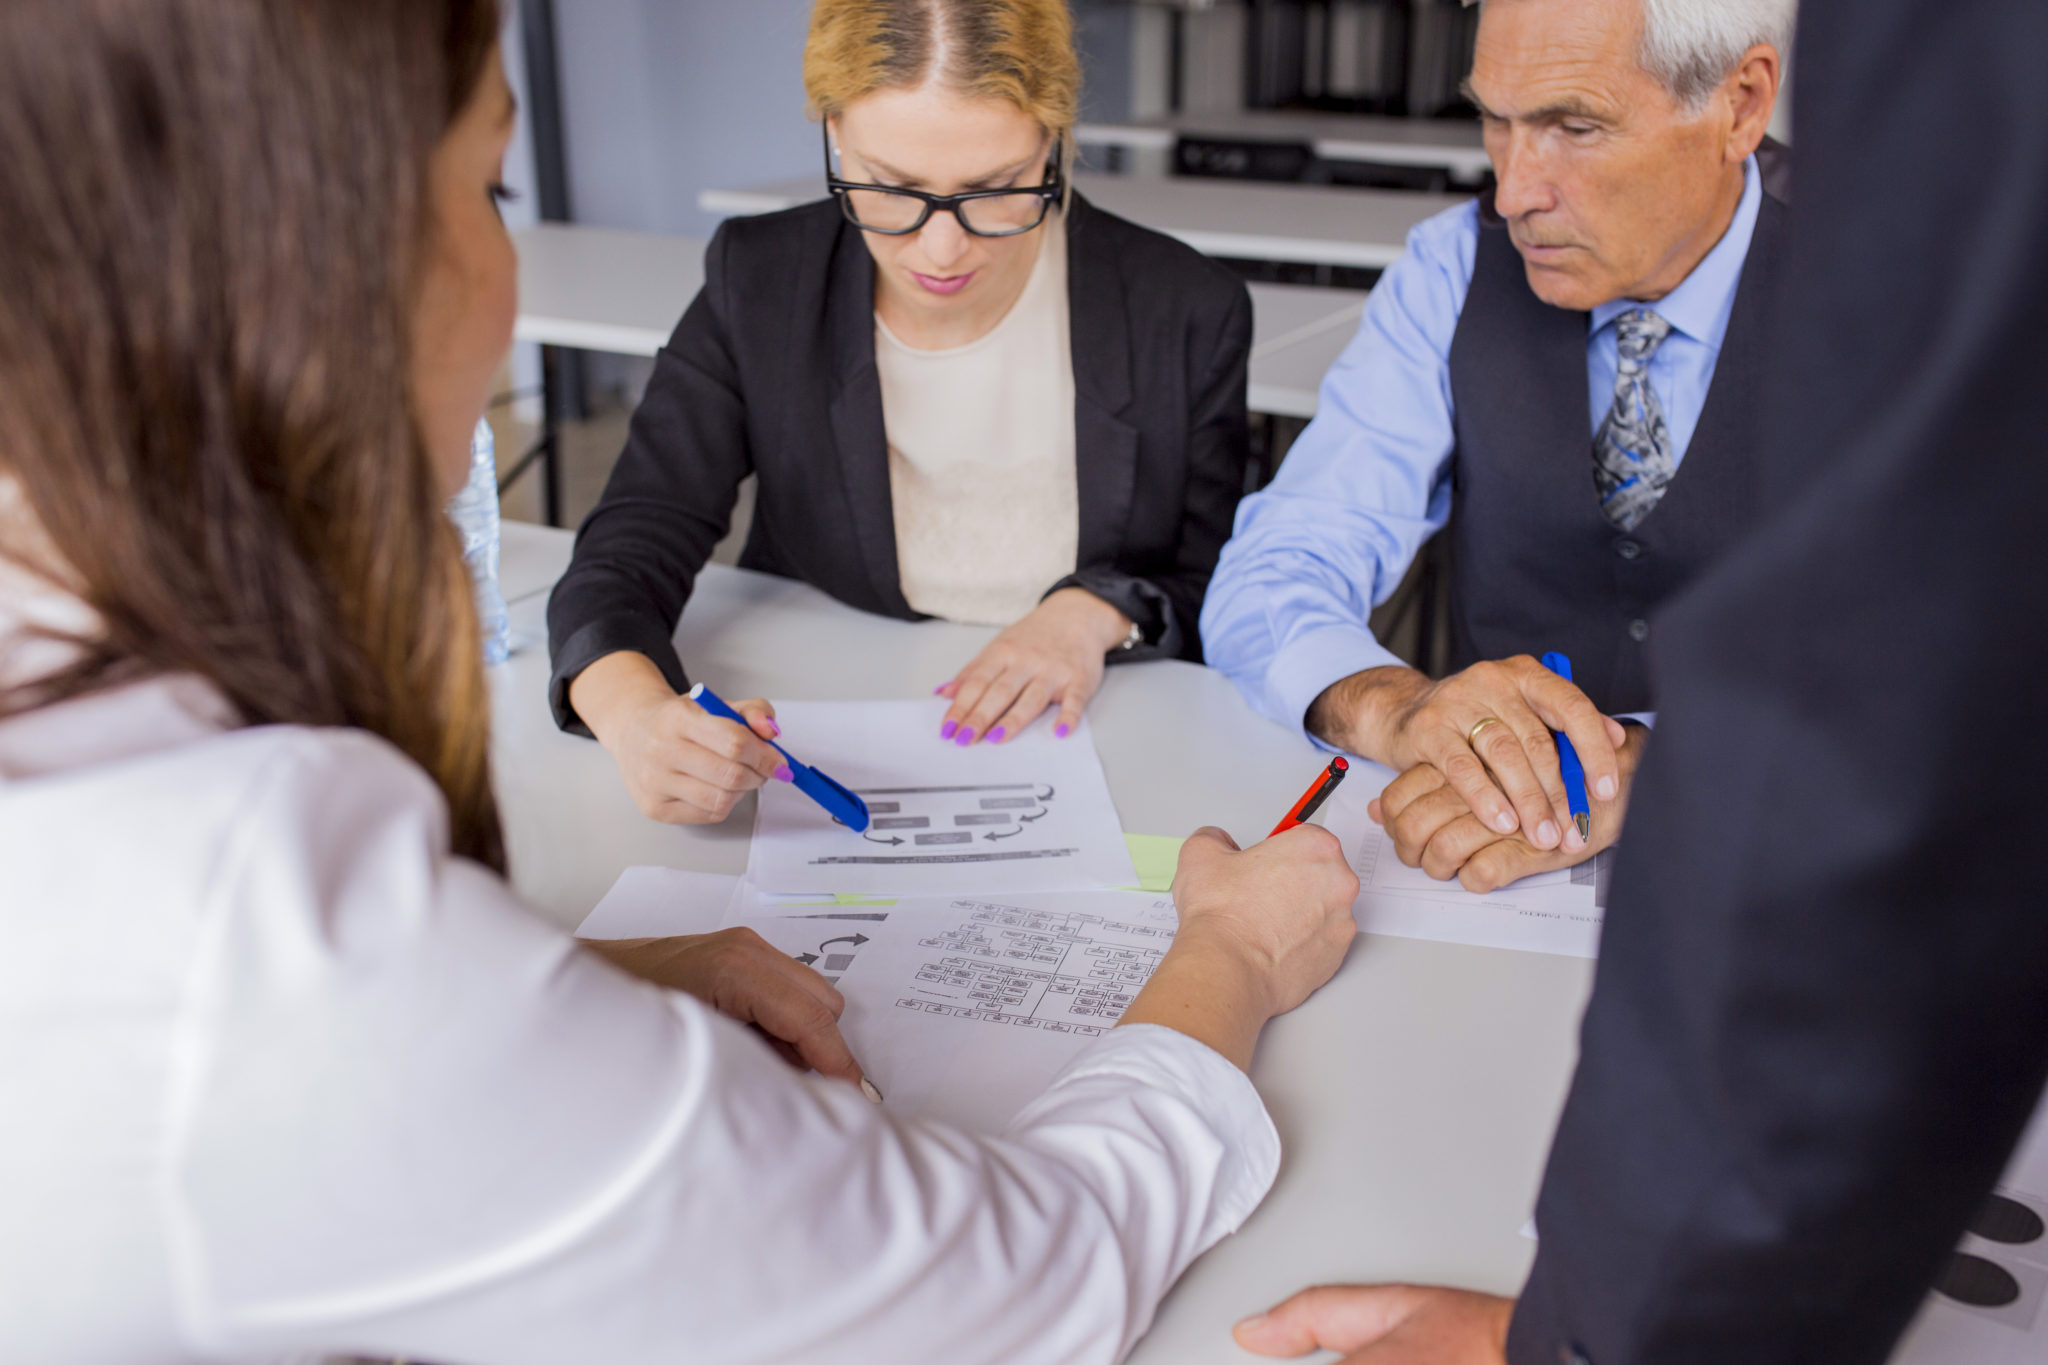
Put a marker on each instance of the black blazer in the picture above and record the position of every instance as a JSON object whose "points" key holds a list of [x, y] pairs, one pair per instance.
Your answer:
{"points": [[772, 372], [1821, 1016]]}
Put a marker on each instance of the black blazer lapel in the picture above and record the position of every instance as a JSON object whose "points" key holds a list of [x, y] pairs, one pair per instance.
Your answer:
{"points": [[859, 436], [1105, 446]]}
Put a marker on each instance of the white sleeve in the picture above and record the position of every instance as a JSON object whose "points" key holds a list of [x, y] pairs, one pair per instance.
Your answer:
{"points": [[410, 1118]]}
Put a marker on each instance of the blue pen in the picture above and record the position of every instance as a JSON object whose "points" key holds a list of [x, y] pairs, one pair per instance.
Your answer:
{"points": [[1568, 760], [841, 804]]}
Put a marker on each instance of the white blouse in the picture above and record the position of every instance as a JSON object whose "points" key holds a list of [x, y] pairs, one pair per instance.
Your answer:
{"points": [[981, 456], [281, 1075]]}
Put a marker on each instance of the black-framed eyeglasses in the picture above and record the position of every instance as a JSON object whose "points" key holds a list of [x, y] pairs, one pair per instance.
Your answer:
{"points": [[983, 213]]}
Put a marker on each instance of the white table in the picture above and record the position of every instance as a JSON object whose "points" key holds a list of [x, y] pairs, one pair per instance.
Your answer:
{"points": [[1453, 146], [1303, 224], [597, 289], [1415, 1094]]}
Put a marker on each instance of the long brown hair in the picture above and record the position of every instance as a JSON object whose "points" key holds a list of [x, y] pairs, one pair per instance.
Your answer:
{"points": [[214, 216]]}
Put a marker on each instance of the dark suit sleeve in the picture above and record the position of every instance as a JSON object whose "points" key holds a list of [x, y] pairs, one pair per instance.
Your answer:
{"points": [[1168, 606], [668, 503], [1821, 1015]]}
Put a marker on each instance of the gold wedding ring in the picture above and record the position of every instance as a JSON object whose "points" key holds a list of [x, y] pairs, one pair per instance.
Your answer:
{"points": [[1472, 735]]}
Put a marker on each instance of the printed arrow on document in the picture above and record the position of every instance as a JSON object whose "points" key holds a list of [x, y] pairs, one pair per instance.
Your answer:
{"points": [[855, 939], [1047, 796], [892, 839], [807, 958], [1027, 819], [992, 836]]}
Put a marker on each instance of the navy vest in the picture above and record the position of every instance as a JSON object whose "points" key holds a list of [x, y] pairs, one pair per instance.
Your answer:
{"points": [[1536, 565]]}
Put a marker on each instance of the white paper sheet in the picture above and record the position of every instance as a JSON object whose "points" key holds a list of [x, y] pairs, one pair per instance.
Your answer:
{"points": [[660, 902], [1558, 912], [1031, 815], [965, 1009]]}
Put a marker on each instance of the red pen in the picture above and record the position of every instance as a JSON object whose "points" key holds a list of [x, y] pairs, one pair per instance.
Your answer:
{"points": [[1313, 799]]}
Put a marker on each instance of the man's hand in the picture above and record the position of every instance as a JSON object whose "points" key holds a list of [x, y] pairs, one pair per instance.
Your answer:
{"points": [[1434, 829], [1487, 730], [1387, 1324], [739, 974]]}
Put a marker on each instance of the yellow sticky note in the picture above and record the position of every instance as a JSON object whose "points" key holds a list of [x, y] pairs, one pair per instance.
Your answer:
{"points": [[1155, 856], [847, 898]]}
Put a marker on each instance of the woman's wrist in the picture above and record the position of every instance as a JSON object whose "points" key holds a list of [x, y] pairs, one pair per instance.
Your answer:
{"points": [[614, 688], [1104, 625]]}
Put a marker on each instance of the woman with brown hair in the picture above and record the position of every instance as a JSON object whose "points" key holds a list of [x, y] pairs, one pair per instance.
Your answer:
{"points": [[287, 1067], [963, 392]]}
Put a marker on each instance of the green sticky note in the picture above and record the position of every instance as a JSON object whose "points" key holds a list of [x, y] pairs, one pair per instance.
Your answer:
{"points": [[846, 898], [1155, 856]]}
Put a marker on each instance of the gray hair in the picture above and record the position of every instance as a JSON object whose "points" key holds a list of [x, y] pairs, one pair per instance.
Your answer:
{"points": [[1690, 46]]}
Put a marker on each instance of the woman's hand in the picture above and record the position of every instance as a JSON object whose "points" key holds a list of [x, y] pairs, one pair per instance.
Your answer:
{"points": [[1053, 657], [682, 765], [738, 973], [1260, 931]]}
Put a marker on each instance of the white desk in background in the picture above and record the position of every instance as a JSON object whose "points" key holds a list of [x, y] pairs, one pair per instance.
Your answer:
{"points": [[599, 289], [1245, 220], [1453, 146], [596, 289], [1415, 1093], [1288, 363]]}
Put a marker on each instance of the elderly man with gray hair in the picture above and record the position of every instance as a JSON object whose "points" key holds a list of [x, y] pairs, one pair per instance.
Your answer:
{"points": [[1570, 365]]}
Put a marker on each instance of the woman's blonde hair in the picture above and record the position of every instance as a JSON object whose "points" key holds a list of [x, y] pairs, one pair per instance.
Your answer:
{"points": [[1018, 50]]}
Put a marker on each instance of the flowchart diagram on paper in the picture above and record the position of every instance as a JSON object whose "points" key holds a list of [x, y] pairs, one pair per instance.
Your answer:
{"points": [[966, 1009], [1031, 815]]}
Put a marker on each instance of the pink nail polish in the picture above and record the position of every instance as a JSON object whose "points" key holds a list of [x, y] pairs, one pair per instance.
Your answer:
{"points": [[939, 691], [966, 737], [995, 736], [773, 728], [948, 730], [783, 774], [1063, 730]]}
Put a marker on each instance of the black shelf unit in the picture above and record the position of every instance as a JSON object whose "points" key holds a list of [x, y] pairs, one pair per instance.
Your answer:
{"points": [[1400, 58]]}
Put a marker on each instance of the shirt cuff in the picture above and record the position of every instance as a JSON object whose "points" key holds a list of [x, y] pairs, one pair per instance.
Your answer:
{"points": [[1307, 665], [1646, 719], [1166, 1060], [593, 641]]}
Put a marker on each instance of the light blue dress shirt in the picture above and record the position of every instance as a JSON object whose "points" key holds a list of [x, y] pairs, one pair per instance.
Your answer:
{"points": [[1368, 482]]}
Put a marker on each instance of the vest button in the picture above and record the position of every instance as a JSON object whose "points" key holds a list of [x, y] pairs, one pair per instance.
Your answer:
{"points": [[1628, 549], [1639, 630]]}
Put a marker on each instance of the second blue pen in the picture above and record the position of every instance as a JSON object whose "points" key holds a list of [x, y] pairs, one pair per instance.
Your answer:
{"points": [[1568, 759]]}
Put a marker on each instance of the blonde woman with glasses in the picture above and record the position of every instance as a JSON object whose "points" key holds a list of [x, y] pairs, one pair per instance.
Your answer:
{"points": [[965, 394]]}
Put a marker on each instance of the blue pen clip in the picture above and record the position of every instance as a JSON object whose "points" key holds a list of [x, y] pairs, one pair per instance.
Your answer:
{"points": [[1568, 763], [841, 804]]}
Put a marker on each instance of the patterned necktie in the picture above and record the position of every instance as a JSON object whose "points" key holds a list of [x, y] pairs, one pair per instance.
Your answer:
{"points": [[1632, 453]]}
